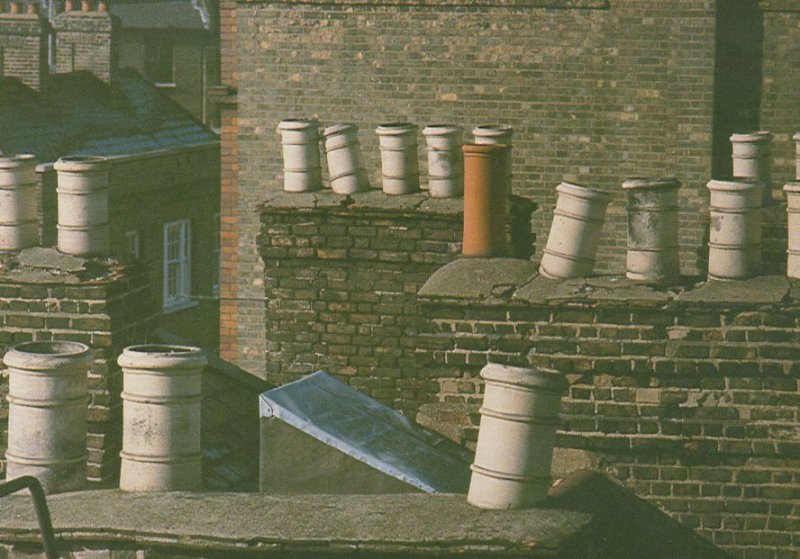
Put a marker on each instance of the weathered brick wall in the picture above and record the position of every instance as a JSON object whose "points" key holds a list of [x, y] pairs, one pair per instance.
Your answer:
{"points": [[23, 45], [108, 314], [86, 41], [341, 275], [780, 107], [596, 91], [689, 396], [147, 191]]}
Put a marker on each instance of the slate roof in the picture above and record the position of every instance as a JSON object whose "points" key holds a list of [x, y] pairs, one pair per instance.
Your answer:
{"points": [[78, 114], [230, 423]]}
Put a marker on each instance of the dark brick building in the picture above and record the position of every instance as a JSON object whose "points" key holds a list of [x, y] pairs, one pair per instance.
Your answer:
{"points": [[689, 395], [164, 164]]}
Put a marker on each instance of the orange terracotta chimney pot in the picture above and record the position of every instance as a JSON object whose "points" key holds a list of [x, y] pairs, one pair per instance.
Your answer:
{"points": [[68, 6], [102, 6], [14, 8], [33, 9], [484, 200], [86, 6]]}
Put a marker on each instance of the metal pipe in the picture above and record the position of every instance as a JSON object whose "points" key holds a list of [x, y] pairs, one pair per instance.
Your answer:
{"points": [[40, 506]]}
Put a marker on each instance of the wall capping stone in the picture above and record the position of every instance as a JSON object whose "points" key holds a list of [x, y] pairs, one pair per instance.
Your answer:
{"points": [[508, 4], [487, 281]]}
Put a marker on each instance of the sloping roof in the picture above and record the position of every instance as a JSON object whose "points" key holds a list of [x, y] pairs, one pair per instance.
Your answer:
{"points": [[364, 429], [230, 422], [78, 114], [162, 14]]}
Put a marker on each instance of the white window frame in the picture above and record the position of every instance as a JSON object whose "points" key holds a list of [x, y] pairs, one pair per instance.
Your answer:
{"points": [[179, 267], [134, 243], [216, 254]]}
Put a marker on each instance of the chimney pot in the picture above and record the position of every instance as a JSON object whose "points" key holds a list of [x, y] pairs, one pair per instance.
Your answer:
{"points": [[102, 6], [86, 6], [33, 9], [68, 6], [14, 9]]}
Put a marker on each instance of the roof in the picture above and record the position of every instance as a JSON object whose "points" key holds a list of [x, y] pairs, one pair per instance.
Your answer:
{"points": [[230, 426], [587, 516], [78, 114], [364, 429], [163, 14]]}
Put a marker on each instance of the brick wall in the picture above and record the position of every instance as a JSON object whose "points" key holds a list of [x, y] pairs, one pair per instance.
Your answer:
{"points": [[147, 191], [596, 91], [689, 396], [108, 314], [86, 41], [23, 48], [340, 278], [780, 109]]}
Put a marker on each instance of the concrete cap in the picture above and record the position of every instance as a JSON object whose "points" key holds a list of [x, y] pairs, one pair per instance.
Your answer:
{"points": [[297, 124], [493, 130], [47, 356], [15, 161], [733, 185], [654, 183], [756, 136], [80, 163], [344, 128], [581, 191], [396, 129], [791, 187], [442, 130], [162, 356]]}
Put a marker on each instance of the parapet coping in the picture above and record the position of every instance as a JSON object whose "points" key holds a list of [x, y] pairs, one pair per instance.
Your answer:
{"points": [[372, 200], [249, 523], [45, 265], [503, 281], [494, 4]]}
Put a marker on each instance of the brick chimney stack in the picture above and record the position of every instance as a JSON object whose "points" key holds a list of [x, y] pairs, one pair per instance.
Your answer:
{"points": [[86, 40], [23, 45]]}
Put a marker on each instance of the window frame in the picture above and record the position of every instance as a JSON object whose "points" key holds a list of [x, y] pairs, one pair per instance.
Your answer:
{"points": [[180, 298], [134, 243], [155, 45]]}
